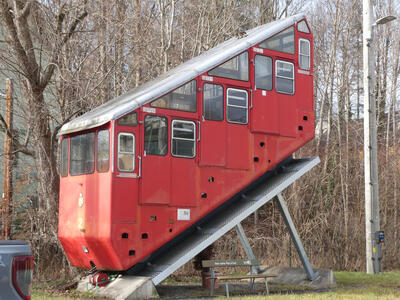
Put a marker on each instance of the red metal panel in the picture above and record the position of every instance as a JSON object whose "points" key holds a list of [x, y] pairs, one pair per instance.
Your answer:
{"points": [[265, 112], [184, 182], [238, 146], [213, 143]]}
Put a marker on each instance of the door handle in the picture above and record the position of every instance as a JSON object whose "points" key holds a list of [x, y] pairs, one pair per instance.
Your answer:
{"points": [[140, 166], [251, 99], [198, 139]]}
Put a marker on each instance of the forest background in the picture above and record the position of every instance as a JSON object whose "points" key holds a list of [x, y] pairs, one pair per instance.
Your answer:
{"points": [[66, 57]]}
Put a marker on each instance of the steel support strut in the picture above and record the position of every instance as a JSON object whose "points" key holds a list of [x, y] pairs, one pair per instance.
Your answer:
{"points": [[246, 246], [295, 237]]}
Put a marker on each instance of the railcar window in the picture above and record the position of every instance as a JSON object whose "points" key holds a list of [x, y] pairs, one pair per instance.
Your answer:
{"points": [[304, 54], [284, 77], [103, 151], [263, 72], [183, 139], [235, 68], [155, 135], [64, 157], [213, 98], [236, 106], [128, 120], [82, 154], [282, 42], [302, 27], [183, 98], [126, 152]]}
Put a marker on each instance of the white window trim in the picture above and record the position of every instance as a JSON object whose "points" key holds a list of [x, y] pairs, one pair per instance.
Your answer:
{"points": [[306, 55], [183, 139], [284, 77], [133, 151], [238, 106]]}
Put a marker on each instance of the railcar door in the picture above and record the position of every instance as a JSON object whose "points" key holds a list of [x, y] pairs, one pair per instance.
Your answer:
{"points": [[237, 130], [126, 167], [213, 129], [156, 163], [265, 112]]}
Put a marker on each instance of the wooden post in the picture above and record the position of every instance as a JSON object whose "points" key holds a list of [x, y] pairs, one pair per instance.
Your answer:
{"points": [[6, 207]]}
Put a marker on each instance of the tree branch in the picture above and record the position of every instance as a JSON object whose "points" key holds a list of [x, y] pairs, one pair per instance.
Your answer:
{"points": [[12, 31], [54, 57], [15, 142], [24, 35]]}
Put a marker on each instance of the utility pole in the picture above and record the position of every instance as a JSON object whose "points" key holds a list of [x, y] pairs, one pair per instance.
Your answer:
{"points": [[372, 220], [6, 206]]}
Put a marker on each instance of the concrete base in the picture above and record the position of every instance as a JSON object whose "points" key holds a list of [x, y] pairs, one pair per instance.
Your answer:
{"points": [[297, 276], [123, 288]]}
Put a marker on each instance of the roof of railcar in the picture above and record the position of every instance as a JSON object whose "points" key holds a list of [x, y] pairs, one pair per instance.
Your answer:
{"points": [[174, 78]]}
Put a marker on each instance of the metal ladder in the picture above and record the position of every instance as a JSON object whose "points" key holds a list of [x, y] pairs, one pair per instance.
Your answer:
{"points": [[167, 260]]}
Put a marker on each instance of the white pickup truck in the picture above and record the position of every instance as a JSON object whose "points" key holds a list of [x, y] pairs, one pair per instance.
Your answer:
{"points": [[16, 268]]}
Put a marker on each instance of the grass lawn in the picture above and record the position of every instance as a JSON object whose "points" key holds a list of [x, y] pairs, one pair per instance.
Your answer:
{"points": [[351, 285]]}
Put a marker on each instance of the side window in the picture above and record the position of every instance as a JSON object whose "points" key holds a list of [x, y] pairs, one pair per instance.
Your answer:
{"points": [[235, 68], [82, 154], [302, 27], [282, 42], [236, 106], [304, 54], [183, 98], [64, 157], [126, 152], [263, 72], [213, 101], [128, 120], [284, 77], [155, 135], [103, 151], [183, 139]]}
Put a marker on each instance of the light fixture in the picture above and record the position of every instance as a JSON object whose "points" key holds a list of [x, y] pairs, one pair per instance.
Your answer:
{"points": [[384, 20]]}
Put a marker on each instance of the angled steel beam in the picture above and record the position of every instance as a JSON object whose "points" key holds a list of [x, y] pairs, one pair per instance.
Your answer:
{"points": [[295, 237]]}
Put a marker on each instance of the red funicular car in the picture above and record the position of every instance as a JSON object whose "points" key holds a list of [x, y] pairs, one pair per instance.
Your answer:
{"points": [[140, 169]]}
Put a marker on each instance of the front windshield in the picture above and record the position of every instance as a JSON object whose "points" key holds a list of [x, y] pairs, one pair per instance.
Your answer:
{"points": [[82, 154]]}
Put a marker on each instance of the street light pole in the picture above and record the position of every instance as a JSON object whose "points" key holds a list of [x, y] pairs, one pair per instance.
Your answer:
{"points": [[370, 141], [372, 221]]}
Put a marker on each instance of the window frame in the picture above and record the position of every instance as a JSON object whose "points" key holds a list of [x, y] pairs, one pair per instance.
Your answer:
{"points": [[94, 154], [62, 155], [170, 92], [236, 56], [144, 135], [120, 119], [133, 153], [277, 34], [222, 102], [184, 139], [97, 151], [305, 23], [272, 73], [305, 55], [284, 77], [237, 106]]}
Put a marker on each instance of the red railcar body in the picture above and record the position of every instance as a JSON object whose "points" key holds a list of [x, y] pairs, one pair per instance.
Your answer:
{"points": [[130, 184]]}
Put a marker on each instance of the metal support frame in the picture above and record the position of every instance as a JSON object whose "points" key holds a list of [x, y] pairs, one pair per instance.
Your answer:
{"points": [[246, 246], [295, 237], [166, 262]]}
